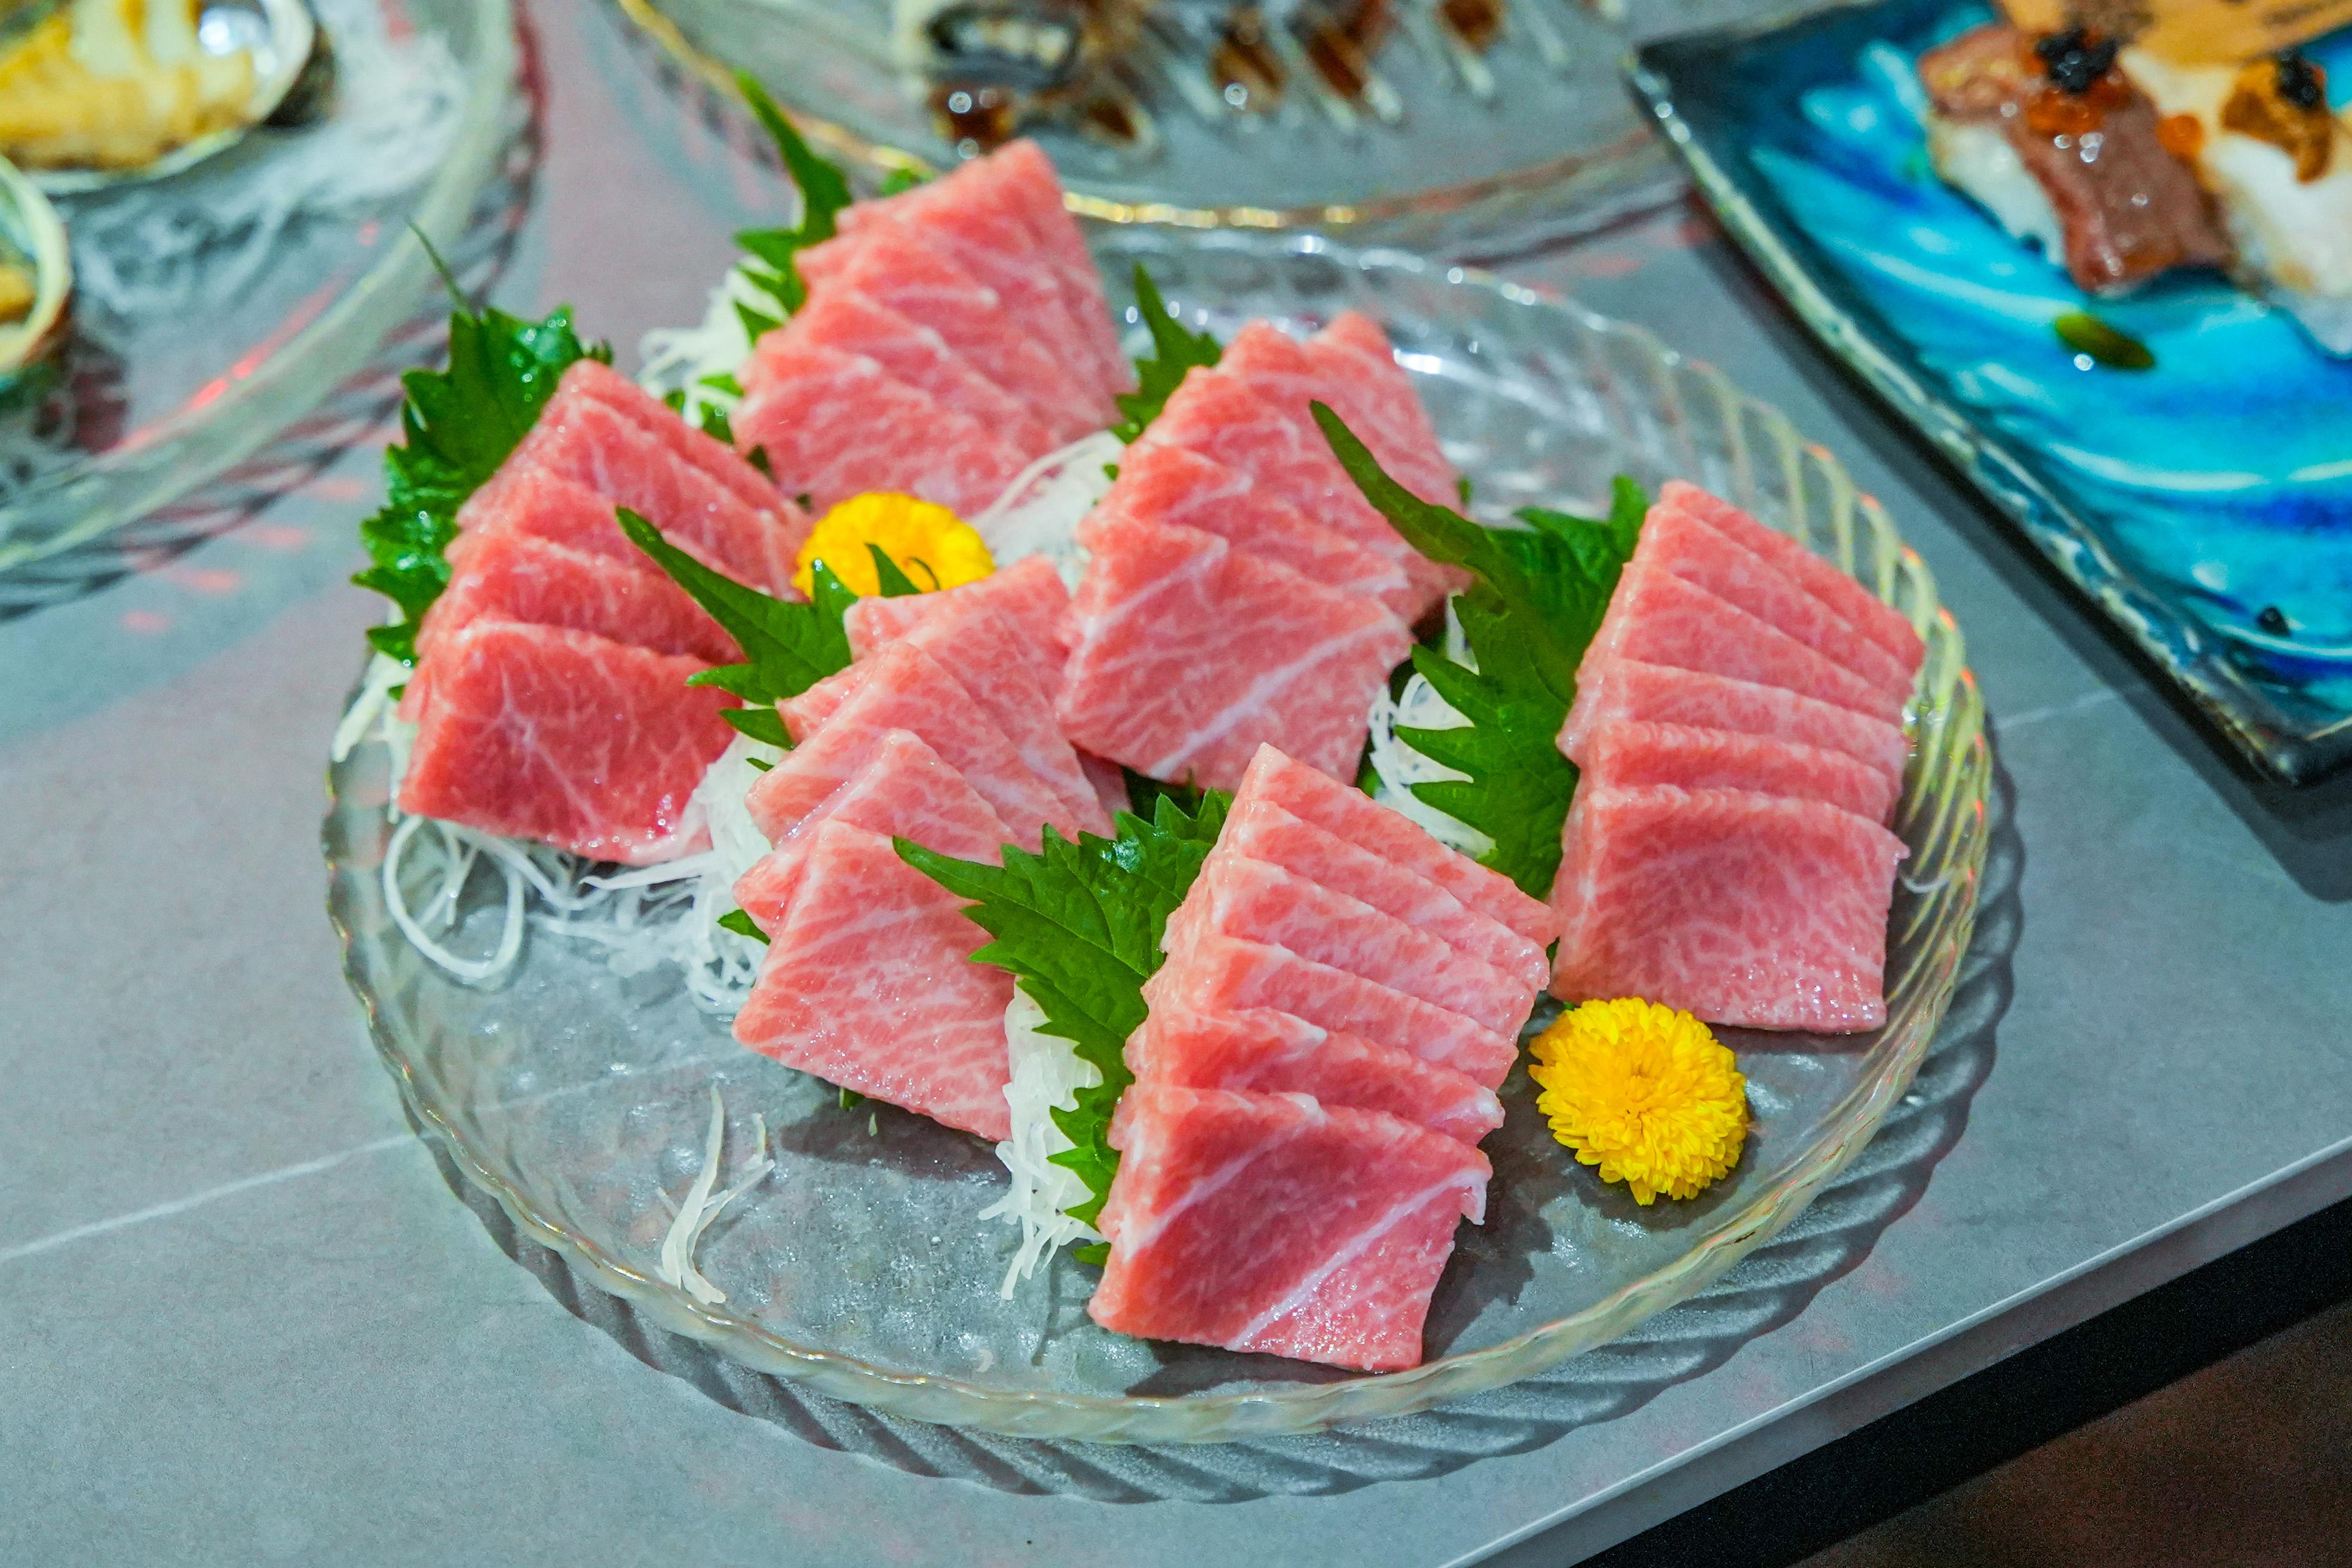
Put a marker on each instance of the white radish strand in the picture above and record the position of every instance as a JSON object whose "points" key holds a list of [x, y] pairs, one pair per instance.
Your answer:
{"points": [[699, 1210], [1047, 1073]]}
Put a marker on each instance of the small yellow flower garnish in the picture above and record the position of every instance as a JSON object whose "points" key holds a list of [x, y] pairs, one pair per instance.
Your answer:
{"points": [[1643, 1091], [930, 544]]}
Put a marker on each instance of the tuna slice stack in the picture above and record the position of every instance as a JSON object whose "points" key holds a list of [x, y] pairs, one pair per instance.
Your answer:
{"points": [[1240, 589], [550, 694], [953, 334], [1342, 996], [942, 732], [1739, 726]]}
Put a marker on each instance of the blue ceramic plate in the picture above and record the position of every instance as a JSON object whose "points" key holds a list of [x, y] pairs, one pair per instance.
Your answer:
{"points": [[2205, 504]]}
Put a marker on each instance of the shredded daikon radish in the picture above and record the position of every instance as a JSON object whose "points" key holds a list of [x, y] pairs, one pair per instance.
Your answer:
{"points": [[683, 358], [695, 1214], [1039, 512], [1047, 1074], [1398, 767]]}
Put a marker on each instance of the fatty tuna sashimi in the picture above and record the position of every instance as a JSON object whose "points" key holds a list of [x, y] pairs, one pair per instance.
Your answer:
{"points": [[868, 984], [898, 267], [571, 739], [513, 576], [1176, 487], [1739, 908], [599, 382], [617, 460], [1677, 541], [1661, 618], [1254, 902], [1264, 831], [1292, 375], [1220, 974], [1217, 414], [834, 425], [1029, 593], [1628, 755], [1352, 815], [1871, 615], [902, 687], [1616, 690], [1002, 217], [526, 500], [903, 791], [1267, 1222], [1258, 1050], [1190, 655], [847, 323], [1110, 781]]}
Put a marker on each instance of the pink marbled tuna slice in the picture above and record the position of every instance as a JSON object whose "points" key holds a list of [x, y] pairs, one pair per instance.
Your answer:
{"points": [[834, 425], [1355, 817], [1267, 1222], [868, 984], [1260, 1052], [1190, 655], [1028, 592], [849, 323], [1740, 908], [510, 576], [595, 380], [1177, 487], [564, 738], [902, 687], [1361, 388], [1613, 691], [1628, 755], [1873, 616], [1221, 974]]}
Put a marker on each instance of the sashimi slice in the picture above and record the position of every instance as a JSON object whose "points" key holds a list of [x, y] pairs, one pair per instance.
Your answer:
{"points": [[1267, 1222], [1110, 781], [510, 576], [1218, 415], [847, 323], [897, 266], [1262, 831], [991, 214], [1355, 817], [903, 791], [1675, 541], [1737, 907], [1629, 755], [1029, 593], [868, 984], [1661, 618], [525, 499], [1258, 1050], [1251, 901], [902, 687], [1292, 375], [1190, 655], [1614, 690], [834, 425], [614, 458], [1220, 974], [1873, 616], [596, 380], [571, 739], [1177, 487]]}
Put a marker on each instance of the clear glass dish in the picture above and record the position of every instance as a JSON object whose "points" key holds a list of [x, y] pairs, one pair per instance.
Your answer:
{"points": [[580, 1099], [211, 315], [1459, 150]]}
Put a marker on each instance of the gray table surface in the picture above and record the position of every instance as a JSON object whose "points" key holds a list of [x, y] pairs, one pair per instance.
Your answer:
{"points": [[242, 1319]]}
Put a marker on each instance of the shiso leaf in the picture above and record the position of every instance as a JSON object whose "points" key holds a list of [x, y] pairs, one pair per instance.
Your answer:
{"points": [[1175, 350], [1540, 594], [1079, 925], [740, 923], [457, 426], [824, 191]]}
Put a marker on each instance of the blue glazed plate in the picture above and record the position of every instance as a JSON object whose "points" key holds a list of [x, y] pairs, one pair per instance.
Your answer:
{"points": [[2205, 504]]}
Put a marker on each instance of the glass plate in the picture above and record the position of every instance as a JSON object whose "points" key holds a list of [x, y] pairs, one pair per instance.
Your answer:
{"points": [[1530, 140], [580, 1099], [2199, 505], [211, 315]]}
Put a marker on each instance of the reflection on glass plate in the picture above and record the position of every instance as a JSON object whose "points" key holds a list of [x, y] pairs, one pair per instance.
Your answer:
{"points": [[580, 1098], [217, 308], [2203, 502]]}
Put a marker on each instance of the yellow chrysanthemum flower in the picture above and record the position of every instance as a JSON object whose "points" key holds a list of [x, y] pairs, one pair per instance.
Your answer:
{"points": [[930, 544], [1643, 1091]]}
